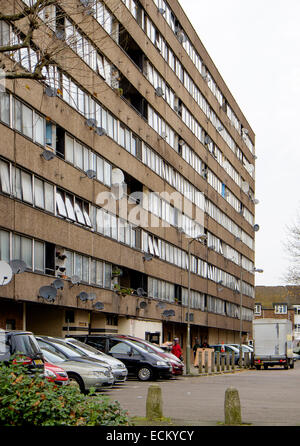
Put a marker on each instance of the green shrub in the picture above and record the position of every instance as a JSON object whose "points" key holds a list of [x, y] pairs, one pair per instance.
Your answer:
{"points": [[33, 400]]}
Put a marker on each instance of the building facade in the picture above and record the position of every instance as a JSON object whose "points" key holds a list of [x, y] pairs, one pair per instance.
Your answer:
{"points": [[279, 302], [111, 167]]}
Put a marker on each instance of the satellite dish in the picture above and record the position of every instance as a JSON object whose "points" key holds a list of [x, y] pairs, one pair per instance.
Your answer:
{"points": [[75, 280], [140, 292], [91, 174], [48, 292], [168, 313], [60, 34], [255, 201], [17, 266], [245, 131], [161, 10], [220, 128], [143, 305], [148, 257], [48, 155], [256, 228], [6, 273], [159, 92], [98, 306], [83, 296], [181, 142], [51, 92], [245, 187], [117, 176], [58, 284], [100, 131], [207, 139], [91, 123]]}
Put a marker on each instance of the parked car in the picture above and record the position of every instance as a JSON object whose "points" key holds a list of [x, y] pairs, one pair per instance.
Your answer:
{"points": [[177, 365], [21, 347], [233, 351], [101, 370], [119, 369], [56, 374], [84, 375], [139, 362], [245, 348]]}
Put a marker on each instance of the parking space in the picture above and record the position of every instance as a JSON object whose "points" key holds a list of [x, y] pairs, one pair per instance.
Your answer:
{"points": [[268, 397]]}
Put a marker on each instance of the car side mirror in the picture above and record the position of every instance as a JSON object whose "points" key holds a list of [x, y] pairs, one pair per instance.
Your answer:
{"points": [[131, 352]]}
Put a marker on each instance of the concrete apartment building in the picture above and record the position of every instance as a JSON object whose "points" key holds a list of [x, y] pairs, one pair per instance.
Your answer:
{"points": [[151, 150]]}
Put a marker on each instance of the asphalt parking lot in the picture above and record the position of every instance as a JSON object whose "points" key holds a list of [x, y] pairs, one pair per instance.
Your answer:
{"points": [[268, 397]]}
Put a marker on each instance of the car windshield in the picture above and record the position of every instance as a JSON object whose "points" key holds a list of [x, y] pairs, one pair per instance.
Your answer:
{"points": [[154, 347], [53, 358], [67, 349], [84, 347], [25, 343]]}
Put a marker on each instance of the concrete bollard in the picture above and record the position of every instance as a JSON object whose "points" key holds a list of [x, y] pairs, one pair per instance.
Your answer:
{"points": [[212, 361], [200, 368], [232, 362], [232, 407], [218, 361], [154, 403], [223, 363], [206, 361], [246, 360], [227, 361]]}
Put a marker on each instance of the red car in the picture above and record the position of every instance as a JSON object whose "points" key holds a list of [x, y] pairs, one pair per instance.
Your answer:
{"points": [[177, 365], [56, 374]]}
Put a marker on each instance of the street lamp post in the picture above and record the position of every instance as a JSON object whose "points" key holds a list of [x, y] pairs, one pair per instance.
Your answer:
{"points": [[201, 237], [253, 270]]}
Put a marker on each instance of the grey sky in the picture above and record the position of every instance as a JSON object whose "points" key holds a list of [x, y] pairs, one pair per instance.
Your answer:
{"points": [[256, 48]]}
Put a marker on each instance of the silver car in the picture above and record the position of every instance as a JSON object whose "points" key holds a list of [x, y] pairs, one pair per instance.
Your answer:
{"points": [[119, 369], [83, 375]]}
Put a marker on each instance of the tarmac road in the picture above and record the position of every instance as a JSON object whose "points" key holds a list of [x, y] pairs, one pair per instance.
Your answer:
{"points": [[268, 397]]}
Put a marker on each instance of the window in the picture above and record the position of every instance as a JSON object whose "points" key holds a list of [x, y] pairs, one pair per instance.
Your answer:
{"points": [[22, 249], [257, 309], [280, 309], [4, 246], [39, 262], [4, 174], [297, 309]]}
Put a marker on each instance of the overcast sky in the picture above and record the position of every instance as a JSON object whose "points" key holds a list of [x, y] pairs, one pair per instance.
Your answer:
{"points": [[256, 47]]}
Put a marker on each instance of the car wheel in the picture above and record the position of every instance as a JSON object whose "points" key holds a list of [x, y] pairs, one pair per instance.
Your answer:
{"points": [[144, 373], [292, 365], [76, 381]]}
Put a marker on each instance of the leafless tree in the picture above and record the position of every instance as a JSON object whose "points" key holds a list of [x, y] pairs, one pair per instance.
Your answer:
{"points": [[36, 35], [292, 248]]}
